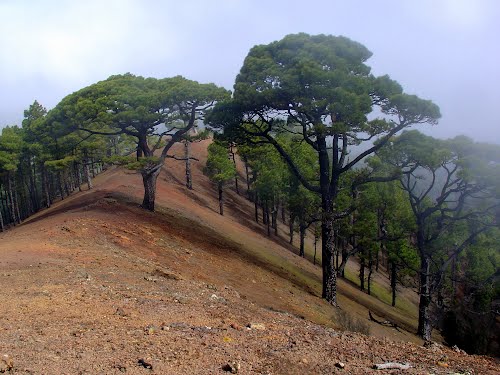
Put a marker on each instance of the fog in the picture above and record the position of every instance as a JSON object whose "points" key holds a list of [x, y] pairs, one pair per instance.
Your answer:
{"points": [[443, 50]]}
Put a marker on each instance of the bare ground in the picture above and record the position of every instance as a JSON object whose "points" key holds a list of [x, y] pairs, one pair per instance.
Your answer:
{"points": [[96, 285]]}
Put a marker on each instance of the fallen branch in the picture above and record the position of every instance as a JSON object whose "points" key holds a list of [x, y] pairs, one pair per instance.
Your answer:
{"points": [[177, 158], [386, 323], [392, 366]]}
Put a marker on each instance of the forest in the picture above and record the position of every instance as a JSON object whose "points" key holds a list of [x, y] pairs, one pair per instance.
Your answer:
{"points": [[328, 149]]}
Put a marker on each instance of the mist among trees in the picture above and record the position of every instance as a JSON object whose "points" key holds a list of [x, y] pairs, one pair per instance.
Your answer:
{"points": [[423, 210]]}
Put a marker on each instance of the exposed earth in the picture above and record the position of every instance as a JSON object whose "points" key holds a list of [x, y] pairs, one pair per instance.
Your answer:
{"points": [[96, 285]]}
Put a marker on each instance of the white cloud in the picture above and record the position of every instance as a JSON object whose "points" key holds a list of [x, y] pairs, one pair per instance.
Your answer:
{"points": [[71, 41]]}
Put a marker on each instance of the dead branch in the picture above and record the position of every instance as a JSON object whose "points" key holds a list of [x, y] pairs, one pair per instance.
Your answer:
{"points": [[391, 366]]}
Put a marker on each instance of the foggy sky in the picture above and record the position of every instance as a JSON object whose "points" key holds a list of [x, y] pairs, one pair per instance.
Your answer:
{"points": [[444, 50]]}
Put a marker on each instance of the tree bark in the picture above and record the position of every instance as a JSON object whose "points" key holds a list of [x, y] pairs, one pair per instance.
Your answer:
{"points": [[274, 218], [315, 248], [221, 199], [424, 313], [394, 271], [329, 189], [291, 223], [12, 203], [34, 189], [79, 176], [256, 207], [46, 189], [370, 273], [1, 219], [88, 177], [247, 177], [302, 232], [362, 267], [236, 174], [149, 178], [329, 291], [187, 155], [267, 219]]}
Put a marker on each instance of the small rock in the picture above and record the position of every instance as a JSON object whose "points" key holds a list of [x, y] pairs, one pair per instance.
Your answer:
{"points": [[235, 326], [143, 363], [215, 297], [340, 364], [304, 360], [180, 298], [150, 330], [6, 363], [232, 367], [179, 325], [150, 278], [458, 350], [443, 364], [120, 312], [257, 326]]}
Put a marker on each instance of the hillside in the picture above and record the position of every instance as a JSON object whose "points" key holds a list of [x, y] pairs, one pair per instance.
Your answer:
{"points": [[96, 285]]}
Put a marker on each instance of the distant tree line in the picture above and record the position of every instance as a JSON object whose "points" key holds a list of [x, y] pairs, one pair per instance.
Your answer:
{"points": [[40, 164]]}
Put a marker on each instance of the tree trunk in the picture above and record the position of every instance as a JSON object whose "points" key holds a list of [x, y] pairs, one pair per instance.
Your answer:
{"points": [[337, 249], [329, 291], [60, 184], [236, 183], [16, 201], [149, 178], [302, 232], [187, 155], [33, 188], [88, 177], [256, 207], [264, 216], [315, 248], [291, 223], [394, 272], [362, 267], [343, 260], [66, 184], [236, 174], [370, 273], [221, 200], [79, 177], [274, 219], [46, 189], [1, 219], [247, 177], [424, 313], [267, 219], [12, 204]]}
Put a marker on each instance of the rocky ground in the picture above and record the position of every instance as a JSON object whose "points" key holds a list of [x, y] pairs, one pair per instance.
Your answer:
{"points": [[97, 286]]}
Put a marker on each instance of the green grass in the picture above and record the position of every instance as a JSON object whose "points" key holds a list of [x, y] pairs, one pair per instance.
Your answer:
{"points": [[384, 294]]}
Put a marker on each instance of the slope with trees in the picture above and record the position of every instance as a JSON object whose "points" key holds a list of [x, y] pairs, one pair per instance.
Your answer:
{"points": [[156, 113], [322, 87], [453, 200]]}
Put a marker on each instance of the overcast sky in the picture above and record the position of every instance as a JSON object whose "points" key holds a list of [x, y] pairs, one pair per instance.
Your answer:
{"points": [[444, 50]]}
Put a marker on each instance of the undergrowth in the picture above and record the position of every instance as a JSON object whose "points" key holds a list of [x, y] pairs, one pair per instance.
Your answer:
{"points": [[350, 323]]}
